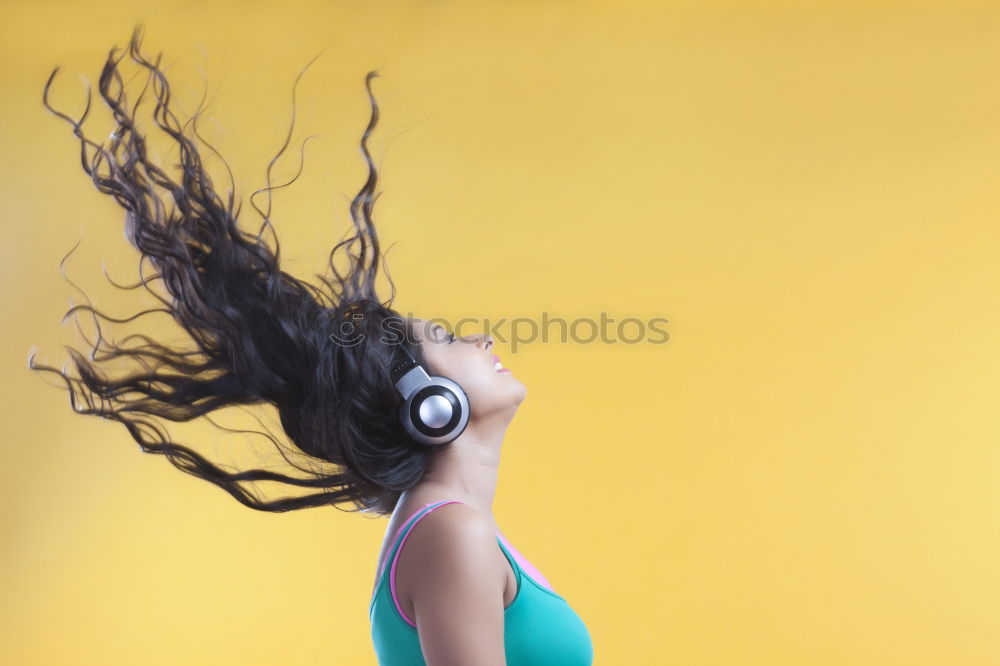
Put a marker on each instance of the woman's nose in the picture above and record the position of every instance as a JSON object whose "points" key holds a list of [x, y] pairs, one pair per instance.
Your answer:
{"points": [[487, 341]]}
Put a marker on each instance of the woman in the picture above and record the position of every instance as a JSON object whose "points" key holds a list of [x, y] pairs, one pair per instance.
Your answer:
{"points": [[344, 392]]}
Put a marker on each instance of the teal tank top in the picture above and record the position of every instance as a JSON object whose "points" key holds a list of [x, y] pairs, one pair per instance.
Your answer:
{"points": [[540, 627]]}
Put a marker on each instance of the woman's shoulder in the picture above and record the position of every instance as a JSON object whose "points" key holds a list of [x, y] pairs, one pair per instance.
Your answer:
{"points": [[449, 520], [439, 505], [447, 531], [450, 538]]}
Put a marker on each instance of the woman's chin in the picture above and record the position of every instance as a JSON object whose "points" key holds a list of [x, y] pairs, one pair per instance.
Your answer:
{"points": [[521, 393]]}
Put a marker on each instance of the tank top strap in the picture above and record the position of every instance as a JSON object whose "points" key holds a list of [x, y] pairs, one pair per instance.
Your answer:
{"points": [[514, 564]]}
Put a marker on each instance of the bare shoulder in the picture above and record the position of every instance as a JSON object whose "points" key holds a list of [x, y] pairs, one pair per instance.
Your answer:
{"points": [[456, 587], [450, 532], [450, 536]]}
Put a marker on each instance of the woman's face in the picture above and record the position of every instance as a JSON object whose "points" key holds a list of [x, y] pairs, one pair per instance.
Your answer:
{"points": [[470, 362]]}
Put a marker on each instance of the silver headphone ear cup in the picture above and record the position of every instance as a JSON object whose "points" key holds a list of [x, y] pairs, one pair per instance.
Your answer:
{"points": [[430, 400]]}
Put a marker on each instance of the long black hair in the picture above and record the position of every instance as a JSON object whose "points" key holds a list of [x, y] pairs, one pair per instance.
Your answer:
{"points": [[259, 334]]}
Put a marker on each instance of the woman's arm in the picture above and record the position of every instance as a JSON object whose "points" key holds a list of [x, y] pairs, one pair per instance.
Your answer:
{"points": [[458, 591]]}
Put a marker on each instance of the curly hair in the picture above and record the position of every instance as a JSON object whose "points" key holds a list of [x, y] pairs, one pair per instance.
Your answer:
{"points": [[260, 335]]}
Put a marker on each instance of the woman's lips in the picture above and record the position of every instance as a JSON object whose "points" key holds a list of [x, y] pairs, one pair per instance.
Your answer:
{"points": [[497, 365]]}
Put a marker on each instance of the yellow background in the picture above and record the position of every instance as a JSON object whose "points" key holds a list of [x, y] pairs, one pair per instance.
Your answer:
{"points": [[805, 474]]}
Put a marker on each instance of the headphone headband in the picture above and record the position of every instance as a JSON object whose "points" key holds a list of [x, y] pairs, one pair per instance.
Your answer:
{"points": [[400, 368]]}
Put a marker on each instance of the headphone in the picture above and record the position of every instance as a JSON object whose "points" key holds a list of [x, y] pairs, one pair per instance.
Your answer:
{"points": [[435, 409]]}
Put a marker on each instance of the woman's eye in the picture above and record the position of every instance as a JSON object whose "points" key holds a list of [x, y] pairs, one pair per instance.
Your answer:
{"points": [[451, 337]]}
